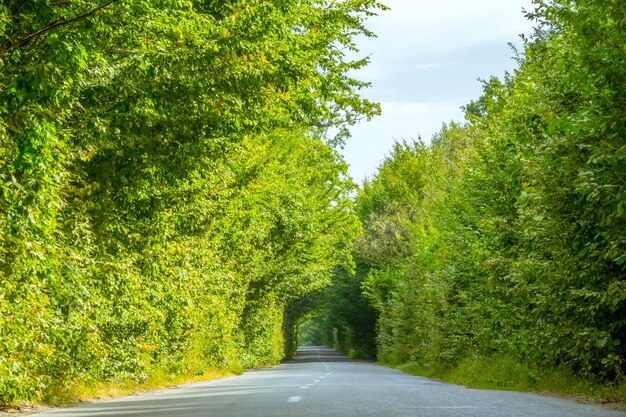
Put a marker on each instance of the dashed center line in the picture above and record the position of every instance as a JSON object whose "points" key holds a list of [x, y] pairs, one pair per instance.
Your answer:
{"points": [[294, 399]]}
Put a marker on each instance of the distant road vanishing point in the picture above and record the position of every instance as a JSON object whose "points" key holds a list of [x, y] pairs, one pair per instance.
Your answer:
{"points": [[321, 382]]}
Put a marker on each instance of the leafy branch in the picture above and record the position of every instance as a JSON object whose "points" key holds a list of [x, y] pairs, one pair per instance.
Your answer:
{"points": [[25, 40]]}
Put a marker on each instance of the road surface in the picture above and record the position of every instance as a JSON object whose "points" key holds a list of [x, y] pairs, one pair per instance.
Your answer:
{"points": [[321, 383]]}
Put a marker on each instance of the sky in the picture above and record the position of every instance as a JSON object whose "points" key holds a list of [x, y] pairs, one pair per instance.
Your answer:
{"points": [[425, 64]]}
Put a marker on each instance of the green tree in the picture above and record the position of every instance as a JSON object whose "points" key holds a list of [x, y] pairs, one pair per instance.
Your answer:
{"points": [[152, 217], [505, 236]]}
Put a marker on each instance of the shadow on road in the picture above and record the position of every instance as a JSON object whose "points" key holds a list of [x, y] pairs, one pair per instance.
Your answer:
{"points": [[309, 354]]}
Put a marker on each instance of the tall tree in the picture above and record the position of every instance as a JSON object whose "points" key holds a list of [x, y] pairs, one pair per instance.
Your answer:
{"points": [[151, 216]]}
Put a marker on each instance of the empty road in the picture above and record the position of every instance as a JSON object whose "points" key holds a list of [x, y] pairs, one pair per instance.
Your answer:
{"points": [[321, 382]]}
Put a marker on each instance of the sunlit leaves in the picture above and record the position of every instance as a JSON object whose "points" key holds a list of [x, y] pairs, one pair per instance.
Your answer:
{"points": [[516, 248], [164, 192]]}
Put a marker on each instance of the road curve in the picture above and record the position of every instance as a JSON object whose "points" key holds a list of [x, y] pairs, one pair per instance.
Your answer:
{"points": [[321, 382]]}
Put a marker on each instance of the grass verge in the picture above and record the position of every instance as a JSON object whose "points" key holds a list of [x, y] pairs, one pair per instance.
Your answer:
{"points": [[83, 391], [508, 374]]}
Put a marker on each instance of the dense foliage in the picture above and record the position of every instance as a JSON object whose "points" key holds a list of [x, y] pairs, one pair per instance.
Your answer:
{"points": [[506, 236], [167, 181], [339, 316]]}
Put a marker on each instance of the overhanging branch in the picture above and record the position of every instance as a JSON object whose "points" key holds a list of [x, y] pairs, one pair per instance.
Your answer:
{"points": [[19, 43]]}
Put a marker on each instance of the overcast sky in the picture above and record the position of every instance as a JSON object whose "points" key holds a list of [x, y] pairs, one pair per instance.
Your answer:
{"points": [[424, 66]]}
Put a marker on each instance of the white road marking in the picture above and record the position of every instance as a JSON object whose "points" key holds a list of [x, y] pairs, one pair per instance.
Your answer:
{"points": [[294, 399], [462, 407], [304, 387], [317, 380]]}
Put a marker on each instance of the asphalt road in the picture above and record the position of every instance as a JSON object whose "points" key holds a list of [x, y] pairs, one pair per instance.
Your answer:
{"points": [[320, 383]]}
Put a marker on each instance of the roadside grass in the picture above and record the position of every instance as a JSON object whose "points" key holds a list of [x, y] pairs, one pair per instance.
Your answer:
{"points": [[356, 353], [83, 391], [508, 374], [80, 390]]}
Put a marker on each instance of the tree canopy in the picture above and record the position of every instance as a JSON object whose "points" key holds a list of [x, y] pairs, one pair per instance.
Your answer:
{"points": [[169, 181], [505, 237]]}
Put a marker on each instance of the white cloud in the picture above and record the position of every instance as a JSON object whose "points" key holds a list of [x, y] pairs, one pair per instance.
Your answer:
{"points": [[460, 21], [424, 66], [435, 29], [371, 141]]}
